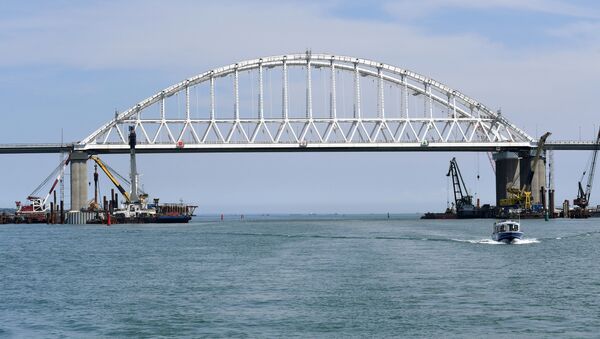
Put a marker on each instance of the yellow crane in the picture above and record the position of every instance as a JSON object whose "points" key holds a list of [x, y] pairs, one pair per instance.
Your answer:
{"points": [[111, 177], [522, 196]]}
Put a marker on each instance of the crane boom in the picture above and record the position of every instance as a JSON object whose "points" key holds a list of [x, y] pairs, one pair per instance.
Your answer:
{"points": [[61, 172], [590, 182], [462, 198], [583, 197], [111, 177]]}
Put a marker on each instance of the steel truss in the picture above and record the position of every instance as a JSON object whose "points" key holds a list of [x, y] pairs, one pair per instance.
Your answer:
{"points": [[427, 113]]}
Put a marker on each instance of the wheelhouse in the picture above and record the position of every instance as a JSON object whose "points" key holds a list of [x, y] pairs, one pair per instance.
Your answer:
{"points": [[506, 226]]}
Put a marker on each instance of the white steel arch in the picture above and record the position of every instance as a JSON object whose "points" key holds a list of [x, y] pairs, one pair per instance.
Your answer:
{"points": [[390, 107]]}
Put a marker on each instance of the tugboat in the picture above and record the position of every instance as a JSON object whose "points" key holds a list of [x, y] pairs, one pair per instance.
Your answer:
{"points": [[507, 231]]}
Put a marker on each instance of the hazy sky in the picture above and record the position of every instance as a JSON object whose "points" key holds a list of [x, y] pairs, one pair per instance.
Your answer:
{"points": [[68, 65]]}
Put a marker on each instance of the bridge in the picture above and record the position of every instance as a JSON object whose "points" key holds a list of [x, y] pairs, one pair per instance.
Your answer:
{"points": [[556, 145], [321, 101], [303, 102], [306, 102]]}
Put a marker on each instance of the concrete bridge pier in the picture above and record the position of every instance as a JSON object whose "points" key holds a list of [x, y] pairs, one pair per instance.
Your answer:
{"points": [[507, 173], [513, 170], [539, 175], [79, 180]]}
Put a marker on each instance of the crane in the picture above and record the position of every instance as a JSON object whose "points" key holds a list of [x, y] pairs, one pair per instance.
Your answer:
{"points": [[112, 178], [37, 203], [462, 199], [583, 196], [522, 196]]}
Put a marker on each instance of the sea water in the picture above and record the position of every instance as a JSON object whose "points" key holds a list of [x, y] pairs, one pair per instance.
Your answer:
{"points": [[300, 276]]}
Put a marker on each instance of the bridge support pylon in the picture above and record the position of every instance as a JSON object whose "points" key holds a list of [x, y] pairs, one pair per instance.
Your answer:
{"points": [[507, 173], [79, 180], [513, 170], [539, 175]]}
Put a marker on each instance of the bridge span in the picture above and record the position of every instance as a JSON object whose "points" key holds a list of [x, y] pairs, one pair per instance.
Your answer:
{"points": [[307, 103], [557, 145]]}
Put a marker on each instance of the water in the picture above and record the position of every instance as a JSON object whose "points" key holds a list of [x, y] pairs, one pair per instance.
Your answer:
{"points": [[358, 276]]}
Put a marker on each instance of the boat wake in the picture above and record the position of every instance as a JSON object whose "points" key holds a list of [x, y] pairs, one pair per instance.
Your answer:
{"points": [[486, 241], [525, 241], [481, 241], [493, 242]]}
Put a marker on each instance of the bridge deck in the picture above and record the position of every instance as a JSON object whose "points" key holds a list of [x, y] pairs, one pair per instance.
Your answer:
{"points": [[335, 147], [34, 148]]}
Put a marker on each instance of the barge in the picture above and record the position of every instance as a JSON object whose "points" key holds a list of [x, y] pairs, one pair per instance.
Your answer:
{"points": [[135, 209]]}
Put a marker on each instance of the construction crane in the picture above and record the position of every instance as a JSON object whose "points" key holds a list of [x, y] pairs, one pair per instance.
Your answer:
{"points": [[111, 177], [522, 196], [462, 199], [583, 196], [94, 205], [38, 204]]}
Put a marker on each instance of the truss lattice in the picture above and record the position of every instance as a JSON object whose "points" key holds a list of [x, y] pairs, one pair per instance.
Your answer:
{"points": [[307, 100]]}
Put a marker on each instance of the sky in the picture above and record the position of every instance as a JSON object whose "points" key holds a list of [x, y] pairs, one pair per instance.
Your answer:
{"points": [[66, 66]]}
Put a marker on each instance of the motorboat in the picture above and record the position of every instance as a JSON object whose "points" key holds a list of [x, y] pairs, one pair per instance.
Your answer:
{"points": [[507, 231]]}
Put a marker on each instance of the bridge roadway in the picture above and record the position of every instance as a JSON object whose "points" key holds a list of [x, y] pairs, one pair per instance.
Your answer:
{"points": [[309, 147]]}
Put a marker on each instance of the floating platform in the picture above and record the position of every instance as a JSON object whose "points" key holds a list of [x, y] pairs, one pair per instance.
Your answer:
{"points": [[446, 215], [485, 212], [169, 213]]}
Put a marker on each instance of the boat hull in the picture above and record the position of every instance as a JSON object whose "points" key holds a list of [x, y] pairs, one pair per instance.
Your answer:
{"points": [[507, 237], [173, 219], [155, 219], [445, 215]]}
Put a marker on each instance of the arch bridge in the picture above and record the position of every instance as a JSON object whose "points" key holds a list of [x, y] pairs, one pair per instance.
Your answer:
{"points": [[308, 101]]}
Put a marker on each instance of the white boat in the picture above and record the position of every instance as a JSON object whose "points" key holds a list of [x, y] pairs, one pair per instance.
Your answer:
{"points": [[507, 231]]}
